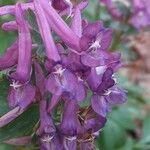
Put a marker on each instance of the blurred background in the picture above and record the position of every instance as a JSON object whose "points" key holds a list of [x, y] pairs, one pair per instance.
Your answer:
{"points": [[128, 126]]}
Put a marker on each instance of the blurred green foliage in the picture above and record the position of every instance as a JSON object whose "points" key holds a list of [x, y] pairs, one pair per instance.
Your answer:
{"points": [[128, 126]]}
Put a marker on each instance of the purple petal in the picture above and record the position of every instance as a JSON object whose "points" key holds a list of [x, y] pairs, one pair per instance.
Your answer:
{"points": [[107, 81], [69, 123], [69, 81], [9, 26], [23, 71], [53, 85], [54, 144], [22, 96], [94, 59], [46, 123], [10, 116], [94, 78], [92, 29], [95, 124], [10, 9], [70, 144], [99, 105], [57, 84], [106, 39], [114, 61], [10, 57], [80, 91], [117, 96], [85, 42], [76, 25], [140, 19]]}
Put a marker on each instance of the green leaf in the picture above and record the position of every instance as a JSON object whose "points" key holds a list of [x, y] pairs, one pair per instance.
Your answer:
{"points": [[87, 100], [6, 147], [146, 130], [146, 126], [129, 145], [122, 116], [112, 137], [32, 20], [6, 39], [4, 87], [21, 126], [35, 30]]}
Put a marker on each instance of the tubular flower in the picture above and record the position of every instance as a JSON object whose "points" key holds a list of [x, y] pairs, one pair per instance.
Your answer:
{"points": [[10, 9], [69, 125], [47, 129], [69, 60], [23, 70], [8, 26], [10, 57]]}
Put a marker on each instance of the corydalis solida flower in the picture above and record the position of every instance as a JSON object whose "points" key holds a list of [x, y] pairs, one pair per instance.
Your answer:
{"points": [[139, 11], [72, 66], [24, 48]]}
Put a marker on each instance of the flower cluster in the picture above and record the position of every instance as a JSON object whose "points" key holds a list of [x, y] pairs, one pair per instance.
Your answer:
{"points": [[77, 64], [139, 10]]}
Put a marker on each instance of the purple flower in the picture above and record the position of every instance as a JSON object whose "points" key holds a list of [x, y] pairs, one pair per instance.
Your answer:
{"points": [[90, 121], [113, 10], [69, 124], [59, 81], [10, 9], [107, 94], [95, 41], [117, 96], [46, 131], [78, 62], [63, 82], [100, 105], [10, 116], [22, 96], [46, 123], [91, 124], [54, 143], [8, 26], [10, 57], [141, 14], [23, 70]]}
